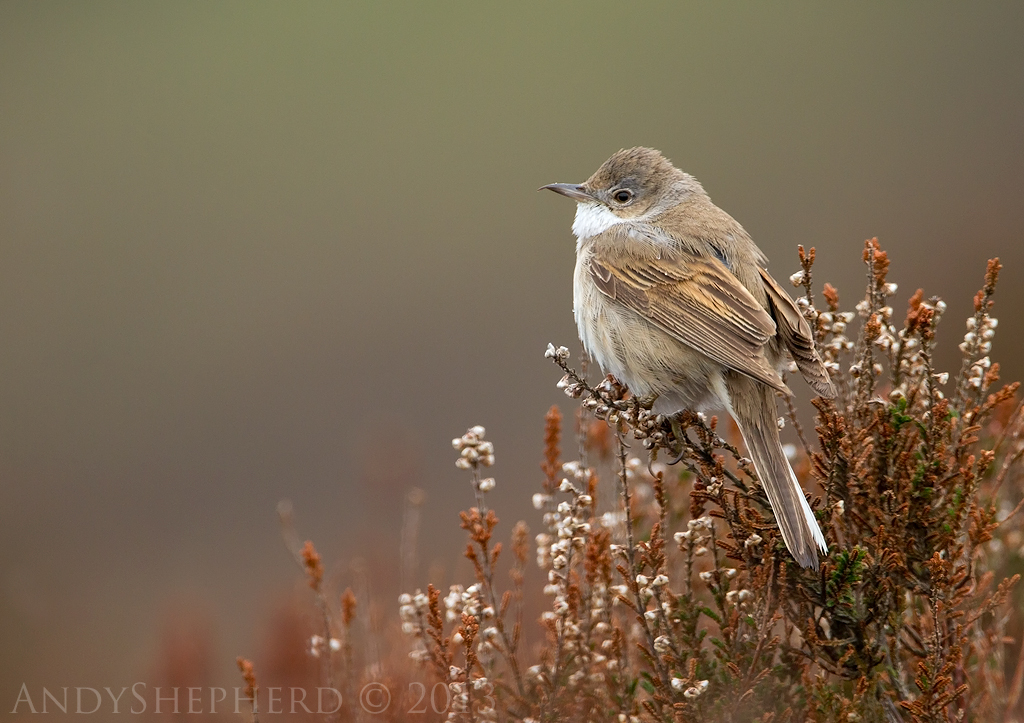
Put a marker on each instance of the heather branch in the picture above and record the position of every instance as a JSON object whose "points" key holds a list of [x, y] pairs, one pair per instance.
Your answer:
{"points": [[307, 558], [634, 571], [475, 452], [977, 344], [251, 688]]}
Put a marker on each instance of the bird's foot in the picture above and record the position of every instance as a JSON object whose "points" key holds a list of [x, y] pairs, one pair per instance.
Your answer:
{"points": [[677, 431], [647, 400]]}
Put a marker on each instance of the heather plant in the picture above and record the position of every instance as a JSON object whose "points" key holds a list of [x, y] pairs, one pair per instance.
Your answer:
{"points": [[669, 594]]}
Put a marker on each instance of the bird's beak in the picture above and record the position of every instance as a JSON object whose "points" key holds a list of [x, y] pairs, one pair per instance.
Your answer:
{"points": [[570, 190]]}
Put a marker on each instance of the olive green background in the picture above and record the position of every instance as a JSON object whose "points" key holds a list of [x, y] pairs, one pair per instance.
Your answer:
{"points": [[251, 251]]}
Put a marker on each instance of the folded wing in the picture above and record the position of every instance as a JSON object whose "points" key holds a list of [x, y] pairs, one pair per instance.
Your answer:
{"points": [[699, 302], [796, 336]]}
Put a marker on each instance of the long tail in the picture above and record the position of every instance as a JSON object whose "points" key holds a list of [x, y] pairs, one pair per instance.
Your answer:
{"points": [[755, 412]]}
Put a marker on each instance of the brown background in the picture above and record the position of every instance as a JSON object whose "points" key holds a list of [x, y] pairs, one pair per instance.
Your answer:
{"points": [[256, 251]]}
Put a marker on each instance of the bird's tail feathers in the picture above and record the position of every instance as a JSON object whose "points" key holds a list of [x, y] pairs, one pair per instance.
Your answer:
{"points": [[799, 528]]}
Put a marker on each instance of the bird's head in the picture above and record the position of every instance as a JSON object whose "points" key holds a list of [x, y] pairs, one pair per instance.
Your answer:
{"points": [[634, 184]]}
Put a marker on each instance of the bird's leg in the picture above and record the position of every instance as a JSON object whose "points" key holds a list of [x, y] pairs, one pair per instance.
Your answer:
{"points": [[647, 400], [677, 431], [641, 404]]}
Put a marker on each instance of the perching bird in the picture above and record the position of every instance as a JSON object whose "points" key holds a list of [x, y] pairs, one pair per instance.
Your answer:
{"points": [[671, 297]]}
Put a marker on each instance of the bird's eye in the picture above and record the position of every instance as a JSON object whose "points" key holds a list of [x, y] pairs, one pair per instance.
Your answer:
{"points": [[623, 195]]}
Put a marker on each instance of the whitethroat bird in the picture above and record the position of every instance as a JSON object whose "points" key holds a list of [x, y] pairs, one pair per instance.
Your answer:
{"points": [[671, 297]]}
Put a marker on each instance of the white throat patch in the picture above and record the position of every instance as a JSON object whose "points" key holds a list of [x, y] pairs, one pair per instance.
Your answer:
{"points": [[593, 219]]}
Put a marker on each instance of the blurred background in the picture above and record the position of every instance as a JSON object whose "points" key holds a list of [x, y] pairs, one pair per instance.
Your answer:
{"points": [[256, 251]]}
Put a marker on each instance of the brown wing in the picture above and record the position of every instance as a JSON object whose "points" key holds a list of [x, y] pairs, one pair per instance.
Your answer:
{"points": [[795, 333], [699, 302]]}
